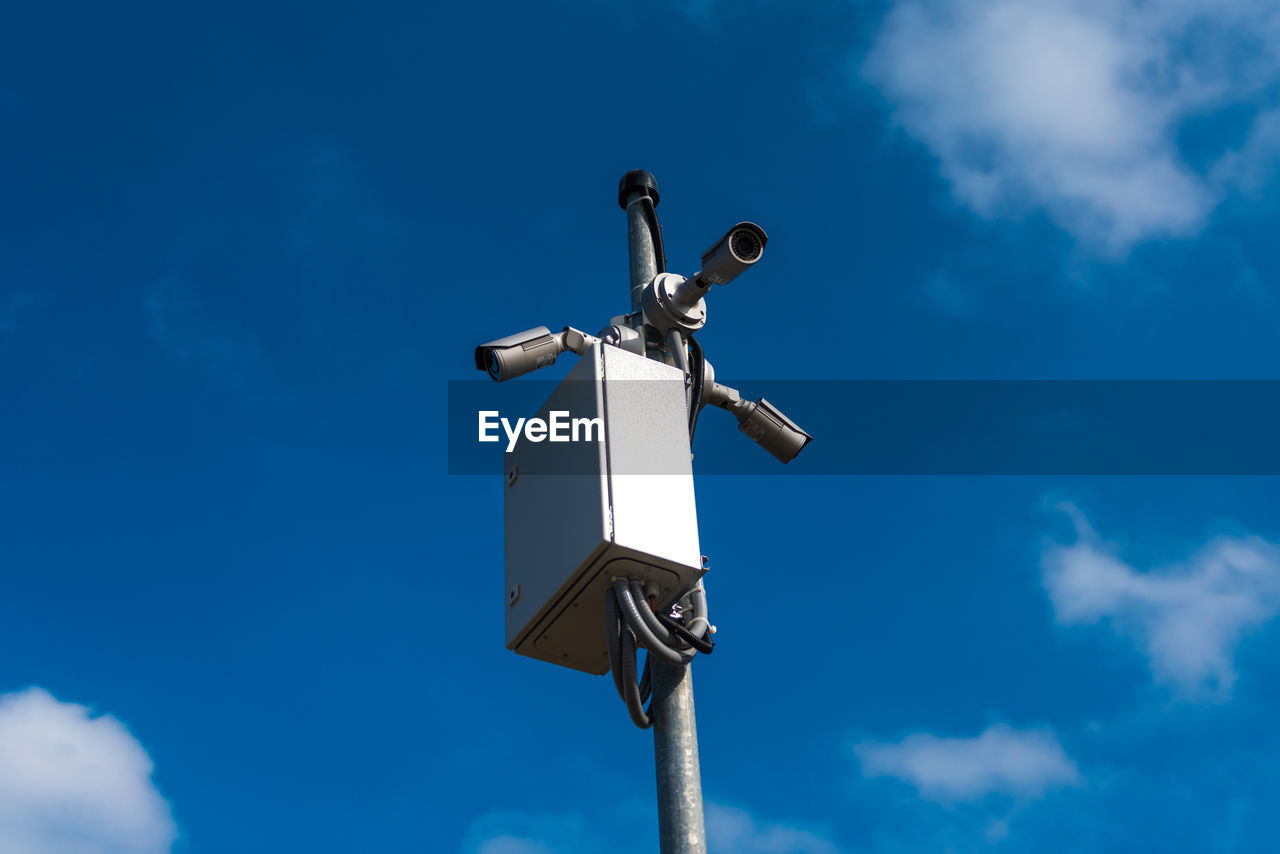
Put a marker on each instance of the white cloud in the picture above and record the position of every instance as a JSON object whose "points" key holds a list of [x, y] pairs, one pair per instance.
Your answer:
{"points": [[529, 832], [1187, 618], [71, 783], [512, 845], [1252, 166], [730, 830], [734, 831], [1074, 106], [1001, 760]]}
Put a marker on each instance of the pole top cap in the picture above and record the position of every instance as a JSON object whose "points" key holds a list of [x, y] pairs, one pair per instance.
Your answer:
{"points": [[637, 179]]}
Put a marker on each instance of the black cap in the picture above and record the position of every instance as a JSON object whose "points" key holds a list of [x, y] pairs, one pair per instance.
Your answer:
{"points": [[637, 179]]}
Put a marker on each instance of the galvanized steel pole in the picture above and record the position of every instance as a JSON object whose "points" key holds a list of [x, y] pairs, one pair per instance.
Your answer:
{"points": [[644, 262], [675, 731], [675, 753]]}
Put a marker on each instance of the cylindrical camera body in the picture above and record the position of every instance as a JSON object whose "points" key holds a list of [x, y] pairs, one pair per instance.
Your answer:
{"points": [[741, 247], [519, 354], [773, 431]]}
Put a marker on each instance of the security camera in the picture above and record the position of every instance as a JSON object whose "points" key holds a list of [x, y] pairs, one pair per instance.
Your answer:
{"points": [[674, 302], [519, 354], [525, 352], [741, 247], [770, 429], [761, 421]]}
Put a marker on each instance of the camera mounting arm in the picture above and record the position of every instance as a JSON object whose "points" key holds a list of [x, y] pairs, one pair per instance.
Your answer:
{"points": [[525, 352], [760, 420], [671, 309], [674, 302]]}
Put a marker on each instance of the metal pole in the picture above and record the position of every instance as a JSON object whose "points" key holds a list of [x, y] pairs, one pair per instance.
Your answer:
{"points": [[675, 753], [675, 731], [644, 264]]}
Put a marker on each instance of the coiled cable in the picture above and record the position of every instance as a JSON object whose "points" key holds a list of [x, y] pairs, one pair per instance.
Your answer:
{"points": [[631, 624]]}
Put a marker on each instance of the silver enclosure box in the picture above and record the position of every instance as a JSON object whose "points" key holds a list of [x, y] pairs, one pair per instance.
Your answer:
{"points": [[579, 513]]}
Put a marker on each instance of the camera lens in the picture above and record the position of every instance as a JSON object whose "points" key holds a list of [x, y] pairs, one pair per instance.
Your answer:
{"points": [[746, 245], [492, 362]]}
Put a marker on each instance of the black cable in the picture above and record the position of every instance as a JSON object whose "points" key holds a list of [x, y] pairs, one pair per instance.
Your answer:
{"points": [[701, 644], [613, 639], [623, 646], [650, 619], [629, 609], [655, 232], [698, 370]]}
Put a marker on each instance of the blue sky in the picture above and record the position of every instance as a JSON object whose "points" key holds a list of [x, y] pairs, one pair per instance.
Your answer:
{"points": [[244, 248]]}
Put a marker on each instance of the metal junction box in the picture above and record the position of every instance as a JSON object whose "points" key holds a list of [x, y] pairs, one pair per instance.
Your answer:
{"points": [[580, 512]]}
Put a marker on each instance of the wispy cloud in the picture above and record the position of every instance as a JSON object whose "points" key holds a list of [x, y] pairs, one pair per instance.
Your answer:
{"points": [[1074, 107], [735, 831], [72, 783], [532, 832], [730, 830], [1000, 761], [179, 324], [1187, 618], [513, 845], [329, 261]]}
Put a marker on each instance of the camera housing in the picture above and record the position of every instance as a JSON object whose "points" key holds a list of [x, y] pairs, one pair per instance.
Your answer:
{"points": [[672, 301], [519, 354], [761, 421], [741, 247], [765, 425]]}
